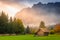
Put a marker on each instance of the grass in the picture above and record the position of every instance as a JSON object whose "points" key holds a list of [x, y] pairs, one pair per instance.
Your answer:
{"points": [[30, 37]]}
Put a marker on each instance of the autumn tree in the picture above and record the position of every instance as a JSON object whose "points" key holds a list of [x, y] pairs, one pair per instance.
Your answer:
{"points": [[57, 28], [19, 27]]}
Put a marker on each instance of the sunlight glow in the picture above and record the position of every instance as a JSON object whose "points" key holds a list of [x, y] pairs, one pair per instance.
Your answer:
{"points": [[11, 11]]}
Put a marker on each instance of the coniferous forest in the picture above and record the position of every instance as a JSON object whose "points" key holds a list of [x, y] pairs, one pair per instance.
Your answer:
{"points": [[10, 26]]}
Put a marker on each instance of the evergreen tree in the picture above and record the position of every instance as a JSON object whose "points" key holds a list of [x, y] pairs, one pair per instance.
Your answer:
{"points": [[42, 24], [3, 22], [11, 26], [27, 29]]}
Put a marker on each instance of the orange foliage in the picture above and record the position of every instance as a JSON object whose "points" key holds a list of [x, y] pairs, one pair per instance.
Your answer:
{"points": [[57, 28]]}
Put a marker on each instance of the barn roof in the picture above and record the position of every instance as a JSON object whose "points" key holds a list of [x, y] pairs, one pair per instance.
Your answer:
{"points": [[44, 29]]}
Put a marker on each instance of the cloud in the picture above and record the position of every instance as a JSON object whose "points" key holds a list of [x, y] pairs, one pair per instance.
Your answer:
{"points": [[28, 3], [43, 1], [10, 7], [12, 2], [32, 18]]}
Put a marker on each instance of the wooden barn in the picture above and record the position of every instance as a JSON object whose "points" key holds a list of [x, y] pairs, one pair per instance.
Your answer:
{"points": [[42, 32]]}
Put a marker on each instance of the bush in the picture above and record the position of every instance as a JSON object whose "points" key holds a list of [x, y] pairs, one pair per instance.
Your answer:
{"points": [[52, 32]]}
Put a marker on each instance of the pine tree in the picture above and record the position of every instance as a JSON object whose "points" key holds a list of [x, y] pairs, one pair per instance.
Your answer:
{"points": [[28, 30], [3, 22], [42, 24]]}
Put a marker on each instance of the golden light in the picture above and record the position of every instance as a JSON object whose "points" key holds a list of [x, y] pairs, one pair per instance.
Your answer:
{"points": [[11, 11], [8, 9]]}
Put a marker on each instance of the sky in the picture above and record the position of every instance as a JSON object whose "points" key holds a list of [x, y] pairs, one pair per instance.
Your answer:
{"points": [[33, 18], [11, 7]]}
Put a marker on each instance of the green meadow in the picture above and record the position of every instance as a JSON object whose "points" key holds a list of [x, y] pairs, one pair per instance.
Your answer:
{"points": [[30, 37]]}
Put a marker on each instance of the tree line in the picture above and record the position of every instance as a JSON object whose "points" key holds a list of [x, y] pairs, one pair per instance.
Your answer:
{"points": [[10, 26], [14, 26]]}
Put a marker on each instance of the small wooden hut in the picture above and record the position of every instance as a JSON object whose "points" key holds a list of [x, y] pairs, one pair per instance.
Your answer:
{"points": [[42, 32]]}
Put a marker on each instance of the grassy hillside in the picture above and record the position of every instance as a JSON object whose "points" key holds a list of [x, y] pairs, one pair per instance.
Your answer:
{"points": [[30, 37]]}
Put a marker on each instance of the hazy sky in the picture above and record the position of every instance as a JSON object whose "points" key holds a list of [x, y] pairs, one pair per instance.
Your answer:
{"points": [[13, 6], [28, 2], [24, 3]]}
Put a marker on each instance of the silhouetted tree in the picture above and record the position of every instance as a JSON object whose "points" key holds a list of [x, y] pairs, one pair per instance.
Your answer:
{"points": [[42, 24], [28, 30], [3, 22]]}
